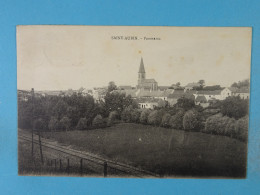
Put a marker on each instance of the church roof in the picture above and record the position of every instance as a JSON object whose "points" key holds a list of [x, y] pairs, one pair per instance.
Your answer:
{"points": [[141, 68], [149, 81]]}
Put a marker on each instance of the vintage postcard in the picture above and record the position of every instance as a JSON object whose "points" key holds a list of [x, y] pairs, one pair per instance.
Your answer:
{"points": [[133, 101]]}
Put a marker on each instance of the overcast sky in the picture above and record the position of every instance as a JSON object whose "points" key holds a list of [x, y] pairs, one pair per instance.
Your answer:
{"points": [[63, 57]]}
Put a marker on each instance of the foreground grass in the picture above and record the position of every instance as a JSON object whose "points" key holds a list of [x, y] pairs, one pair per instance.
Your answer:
{"points": [[171, 153]]}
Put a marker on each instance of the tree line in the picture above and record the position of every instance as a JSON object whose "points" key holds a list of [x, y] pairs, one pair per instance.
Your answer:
{"points": [[69, 112], [227, 117]]}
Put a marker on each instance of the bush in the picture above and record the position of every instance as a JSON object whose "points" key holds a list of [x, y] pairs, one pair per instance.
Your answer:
{"points": [[166, 120], [65, 123], [126, 114], [82, 124], [234, 107], [53, 124], [39, 124], [223, 125], [111, 118], [230, 128], [144, 116], [98, 121], [135, 115], [176, 121], [217, 124], [241, 129], [155, 118], [191, 120], [185, 103]]}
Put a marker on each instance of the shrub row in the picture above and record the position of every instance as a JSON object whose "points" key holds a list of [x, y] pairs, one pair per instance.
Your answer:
{"points": [[190, 120], [223, 125]]}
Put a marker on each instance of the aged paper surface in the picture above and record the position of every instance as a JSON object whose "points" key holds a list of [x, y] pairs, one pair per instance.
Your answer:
{"points": [[133, 101]]}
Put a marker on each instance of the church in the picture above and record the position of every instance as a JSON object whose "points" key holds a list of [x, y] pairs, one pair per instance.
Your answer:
{"points": [[143, 83]]}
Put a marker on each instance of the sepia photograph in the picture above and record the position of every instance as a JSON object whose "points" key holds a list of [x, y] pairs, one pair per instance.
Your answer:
{"points": [[133, 101]]}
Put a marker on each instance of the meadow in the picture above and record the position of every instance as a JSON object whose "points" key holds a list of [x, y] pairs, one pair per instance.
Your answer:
{"points": [[167, 152]]}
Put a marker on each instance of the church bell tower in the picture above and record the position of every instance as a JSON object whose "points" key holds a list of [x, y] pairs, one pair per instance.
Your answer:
{"points": [[141, 73]]}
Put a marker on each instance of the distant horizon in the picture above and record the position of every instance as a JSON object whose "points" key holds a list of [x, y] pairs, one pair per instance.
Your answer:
{"points": [[62, 57], [116, 85]]}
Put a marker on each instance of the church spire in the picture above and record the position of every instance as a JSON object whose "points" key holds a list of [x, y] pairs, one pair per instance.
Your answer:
{"points": [[141, 68]]}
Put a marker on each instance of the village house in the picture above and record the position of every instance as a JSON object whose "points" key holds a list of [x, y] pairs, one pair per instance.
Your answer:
{"points": [[99, 94], [190, 86], [201, 100], [177, 94], [147, 105], [243, 93], [215, 94]]}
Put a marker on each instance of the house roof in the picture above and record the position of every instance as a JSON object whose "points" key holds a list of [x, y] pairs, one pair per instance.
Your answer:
{"points": [[242, 90], [131, 92], [180, 93], [239, 90], [215, 92], [145, 93], [141, 68], [192, 85], [163, 87], [125, 87]]}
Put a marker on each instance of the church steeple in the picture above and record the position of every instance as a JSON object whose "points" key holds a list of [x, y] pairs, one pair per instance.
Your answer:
{"points": [[141, 73], [141, 68]]}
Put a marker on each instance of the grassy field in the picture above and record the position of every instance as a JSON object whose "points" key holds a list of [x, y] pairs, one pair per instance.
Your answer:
{"points": [[168, 152]]}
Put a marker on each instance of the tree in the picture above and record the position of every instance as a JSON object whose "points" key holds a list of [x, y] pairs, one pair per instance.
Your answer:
{"points": [[178, 84], [242, 84], [65, 123], [176, 121], [126, 115], [234, 107], [201, 82], [82, 124], [144, 116], [135, 115], [111, 86], [98, 120], [60, 108], [118, 102], [53, 124], [185, 103], [162, 103], [166, 120], [111, 118], [39, 124], [191, 120], [241, 128], [217, 124], [155, 118]]}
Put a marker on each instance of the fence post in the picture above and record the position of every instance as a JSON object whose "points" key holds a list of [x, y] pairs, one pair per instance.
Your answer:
{"points": [[60, 164], [105, 169], [81, 166], [68, 165], [40, 143]]}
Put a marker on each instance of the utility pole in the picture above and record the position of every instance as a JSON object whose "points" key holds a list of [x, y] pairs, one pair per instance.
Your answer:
{"points": [[32, 118]]}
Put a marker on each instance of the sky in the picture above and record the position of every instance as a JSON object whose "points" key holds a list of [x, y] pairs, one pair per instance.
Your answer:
{"points": [[60, 57]]}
